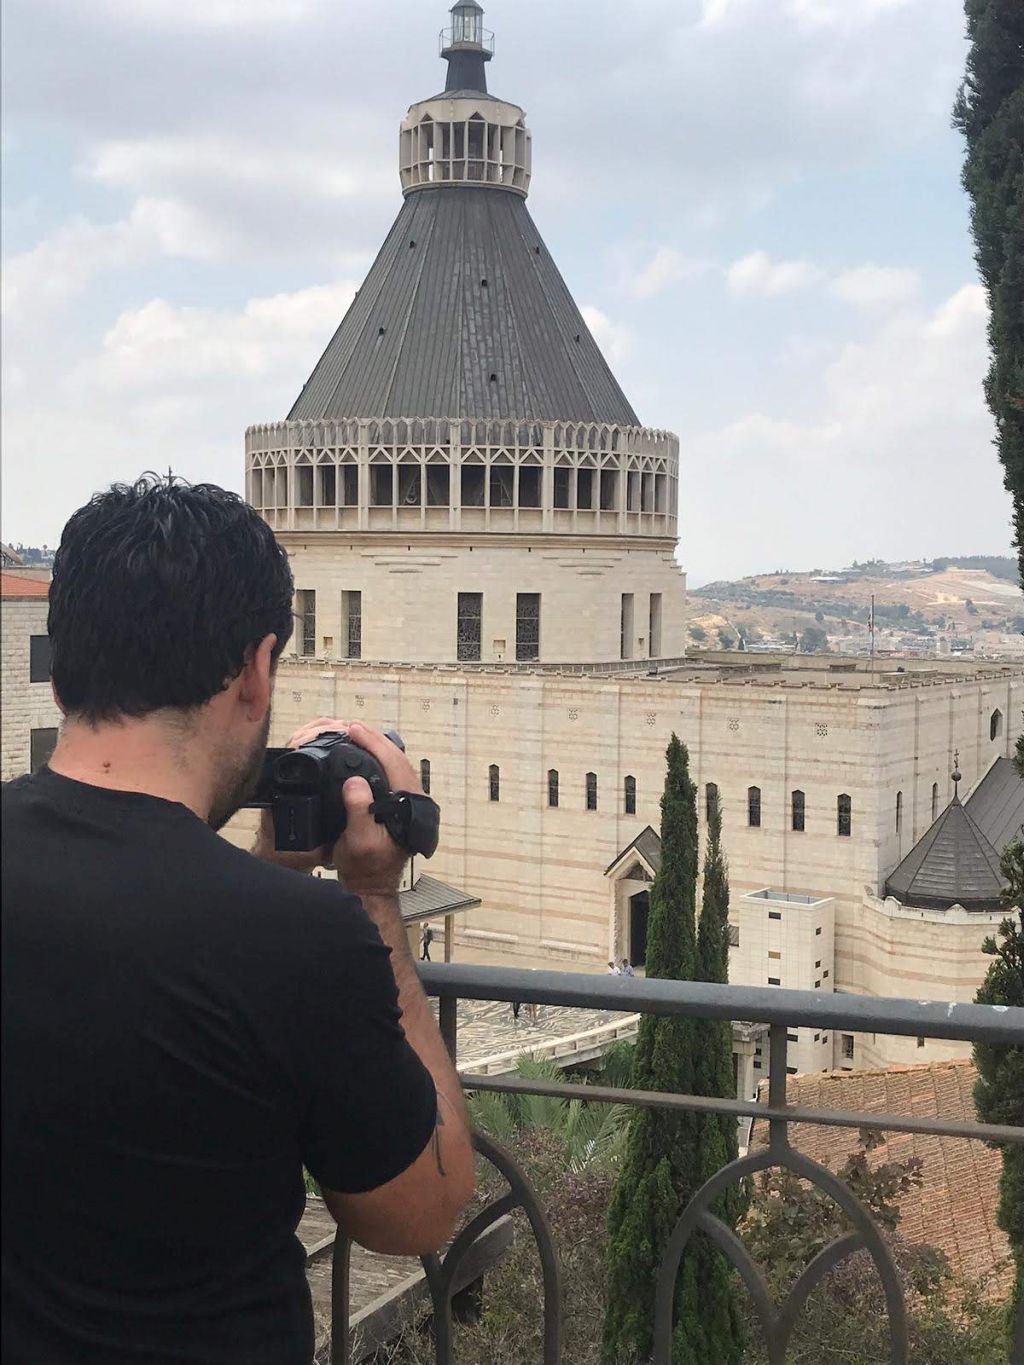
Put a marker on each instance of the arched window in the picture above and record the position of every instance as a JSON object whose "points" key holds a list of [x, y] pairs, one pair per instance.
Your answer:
{"points": [[495, 782], [995, 725], [799, 812], [899, 812], [711, 799], [844, 816], [553, 787], [935, 802], [591, 791], [630, 795], [754, 807], [425, 775]]}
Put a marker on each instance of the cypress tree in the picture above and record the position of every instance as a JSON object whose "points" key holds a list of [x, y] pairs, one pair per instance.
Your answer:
{"points": [[667, 1154], [999, 1093], [990, 114]]}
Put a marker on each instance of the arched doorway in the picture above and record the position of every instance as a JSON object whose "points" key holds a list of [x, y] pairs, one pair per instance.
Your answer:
{"points": [[639, 910]]}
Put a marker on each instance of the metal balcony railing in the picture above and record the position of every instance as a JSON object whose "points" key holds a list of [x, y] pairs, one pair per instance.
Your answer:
{"points": [[780, 1010]]}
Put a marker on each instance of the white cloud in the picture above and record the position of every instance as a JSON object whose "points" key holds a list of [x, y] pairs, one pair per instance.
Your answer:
{"points": [[894, 459], [665, 268], [842, 13], [62, 265], [209, 13], [760, 276], [615, 341], [876, 286], [161, 347]]}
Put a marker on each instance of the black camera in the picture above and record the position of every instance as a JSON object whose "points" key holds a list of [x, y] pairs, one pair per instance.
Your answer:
{"points": [[302, 789]]}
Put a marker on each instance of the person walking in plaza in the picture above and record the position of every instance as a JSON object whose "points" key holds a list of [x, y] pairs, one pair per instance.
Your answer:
{"points": [[627, 968], [425, 942]]}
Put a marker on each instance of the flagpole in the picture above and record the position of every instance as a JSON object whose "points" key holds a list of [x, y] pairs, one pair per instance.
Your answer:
{"points": [[872, 634]]}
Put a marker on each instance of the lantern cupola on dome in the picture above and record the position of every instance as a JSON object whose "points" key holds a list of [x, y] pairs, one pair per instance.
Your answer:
{"points": [[464, 135]]}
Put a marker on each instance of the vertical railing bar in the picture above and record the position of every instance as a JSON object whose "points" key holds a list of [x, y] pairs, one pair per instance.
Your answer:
{"points": [[448, 1017], [341, 1347], [778, 1052]]}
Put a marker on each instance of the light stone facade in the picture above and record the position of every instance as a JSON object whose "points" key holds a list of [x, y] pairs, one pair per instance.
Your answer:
{"points": [[778, 725], [26, 706]]}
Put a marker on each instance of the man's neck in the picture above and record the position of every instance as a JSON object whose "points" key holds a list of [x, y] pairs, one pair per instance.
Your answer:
{"points": [[134, 756]]}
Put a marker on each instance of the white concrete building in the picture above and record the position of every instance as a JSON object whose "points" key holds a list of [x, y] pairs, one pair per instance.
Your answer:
{"points": [[30, 716]]}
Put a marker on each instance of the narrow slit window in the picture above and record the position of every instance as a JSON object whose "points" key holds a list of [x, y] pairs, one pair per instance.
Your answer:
{"points": [[584, 489], [844, 816], [352, 624], [899, 812], [591, 791], [562, 489], [935, 801], [553, 788], [799, 812], [754, 807], [494, 782], [425, 775], [305, 610], [626, 627], [630, 794]]}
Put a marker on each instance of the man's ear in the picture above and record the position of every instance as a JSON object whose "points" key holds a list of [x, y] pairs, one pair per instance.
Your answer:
{"points": [[256, 681]]}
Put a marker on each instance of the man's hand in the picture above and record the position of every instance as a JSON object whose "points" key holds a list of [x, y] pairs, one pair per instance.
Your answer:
{"points": [[368, 860], [264, 846]]}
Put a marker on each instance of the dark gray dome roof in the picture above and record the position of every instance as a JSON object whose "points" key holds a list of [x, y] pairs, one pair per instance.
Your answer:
{"points": [[464, 314]]}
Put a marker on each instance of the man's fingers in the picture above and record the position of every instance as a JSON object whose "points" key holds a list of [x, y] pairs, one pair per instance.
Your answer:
{"points": [[397, 768], [357, 796], [313, 728]]}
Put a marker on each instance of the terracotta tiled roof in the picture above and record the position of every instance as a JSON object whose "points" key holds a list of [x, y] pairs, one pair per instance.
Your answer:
{"points": [[13, 585], [954, 1210]]}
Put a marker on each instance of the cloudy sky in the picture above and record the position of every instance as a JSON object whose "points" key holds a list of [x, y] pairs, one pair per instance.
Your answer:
{"points": [[756, 201]]}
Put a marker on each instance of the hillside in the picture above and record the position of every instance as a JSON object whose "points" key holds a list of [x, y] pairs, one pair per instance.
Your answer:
{"points": [[970, 604]]}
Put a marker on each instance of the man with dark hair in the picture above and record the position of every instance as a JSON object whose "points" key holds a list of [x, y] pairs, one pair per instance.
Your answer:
{"points": [[187, 1026]]}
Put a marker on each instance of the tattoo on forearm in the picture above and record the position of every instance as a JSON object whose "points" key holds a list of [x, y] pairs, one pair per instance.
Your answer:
{"points": [[436, 1139]]}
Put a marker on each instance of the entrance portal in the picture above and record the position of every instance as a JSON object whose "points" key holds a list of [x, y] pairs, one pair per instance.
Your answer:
{"points": [[639, 909]]}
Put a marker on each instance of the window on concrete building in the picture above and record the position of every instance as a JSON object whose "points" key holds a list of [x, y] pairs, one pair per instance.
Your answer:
{"points": [[328, 485], [410, 485], [818, 930], [472, 485], [439, 485], [425, 775], [39, 658], [799, 812], [626, 627], [609, 489], [847, 1041], [654, 635], [305, 610], [775, 957], [529, 485], [502, 478], [774, 981], [382, 485], [553, 787], [470, 626], [774, 914], [920, 1042], [349, 485], [562, 488], [591, 791], [304, 486], [585, 489], [790, 1070], [734, 935], [494, 782], [844, 816], [711, 799], [633, 491], [995, 725], [935, 801], [352, 625], [825, 972], [754, 807], [41, 746], [630, 792], [527, 626]]}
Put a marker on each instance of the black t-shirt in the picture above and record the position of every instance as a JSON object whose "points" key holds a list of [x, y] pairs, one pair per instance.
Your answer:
{"points": [[184, 1027]]}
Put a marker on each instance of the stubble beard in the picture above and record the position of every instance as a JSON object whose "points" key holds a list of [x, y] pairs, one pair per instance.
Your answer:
{"points": [[240, 778]]}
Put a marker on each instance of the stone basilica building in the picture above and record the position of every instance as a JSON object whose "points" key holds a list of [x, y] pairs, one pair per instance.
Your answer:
{"points": [[483, 535]]}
